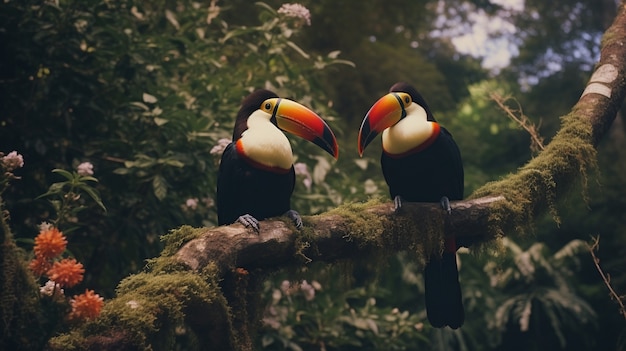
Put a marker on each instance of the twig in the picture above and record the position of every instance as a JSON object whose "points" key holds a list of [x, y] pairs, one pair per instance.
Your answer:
{"points": [[522, 120], [605, 277]]}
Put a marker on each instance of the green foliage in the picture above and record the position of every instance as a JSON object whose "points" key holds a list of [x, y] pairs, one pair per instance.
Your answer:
{"points": [[310, 316], [144, 92], [538, 297], [66, 197], [492, 145]]}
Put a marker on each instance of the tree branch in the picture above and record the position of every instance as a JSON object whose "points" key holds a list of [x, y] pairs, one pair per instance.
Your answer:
{"points": [[342, 233]]}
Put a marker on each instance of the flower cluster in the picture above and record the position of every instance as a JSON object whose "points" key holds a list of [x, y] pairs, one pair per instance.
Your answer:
{"points": [[305, 288], [297, 11], [9, 163], [85, 169], [12, 161], [50, 243]]}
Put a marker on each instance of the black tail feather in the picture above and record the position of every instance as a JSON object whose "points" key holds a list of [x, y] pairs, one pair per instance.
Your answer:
{"points": [[444, 302]]}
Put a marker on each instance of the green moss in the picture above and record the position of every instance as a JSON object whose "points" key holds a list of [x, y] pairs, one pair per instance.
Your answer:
{"points": [[365, 228], [176, 238], [154, 309], [536, 186], [25, 323]]}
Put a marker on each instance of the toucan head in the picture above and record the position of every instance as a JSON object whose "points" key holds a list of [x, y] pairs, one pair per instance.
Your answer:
{"points": [[289, 116], [389, 110]]}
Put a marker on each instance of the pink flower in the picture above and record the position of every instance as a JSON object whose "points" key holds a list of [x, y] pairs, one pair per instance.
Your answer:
{"points": [[220, 147], [85, 169], [296, 11], [192, 203], [13, 161]]}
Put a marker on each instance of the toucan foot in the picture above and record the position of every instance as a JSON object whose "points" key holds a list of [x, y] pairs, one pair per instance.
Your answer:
{"points": [[249, 221], [295, 217], [397, 203], [445, 204]]}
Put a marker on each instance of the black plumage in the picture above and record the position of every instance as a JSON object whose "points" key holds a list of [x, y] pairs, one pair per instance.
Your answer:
{"points": [[243, 188], [429, 175], [421, 163], [256, 176]]}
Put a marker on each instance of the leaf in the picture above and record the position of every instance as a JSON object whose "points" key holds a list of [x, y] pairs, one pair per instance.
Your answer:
{"points": [[55, 188], [236, 32], [343, 62], [171, 162], [171, 17], [159, 186], [570, 249], [266, 6], [141, 105], [333, 54], [142, 161], [88, 178], [64, 173], [121, 171], [149, 99], [298, 49], [160, 121], [93, 193], [361, 163]]}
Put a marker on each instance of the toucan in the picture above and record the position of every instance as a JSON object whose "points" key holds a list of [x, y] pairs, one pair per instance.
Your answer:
{"points": [[421, 162], [256, 175]]}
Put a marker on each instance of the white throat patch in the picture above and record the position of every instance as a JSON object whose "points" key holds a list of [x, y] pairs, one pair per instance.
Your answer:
{"points": [[409, 133], [264, 143]]}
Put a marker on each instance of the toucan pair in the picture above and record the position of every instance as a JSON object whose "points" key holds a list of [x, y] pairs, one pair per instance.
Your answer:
{"points": [[420, 163]]}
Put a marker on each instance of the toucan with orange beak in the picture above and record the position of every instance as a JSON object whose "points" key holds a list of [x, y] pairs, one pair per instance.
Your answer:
{"points": [[421, 163], [256, 176]]}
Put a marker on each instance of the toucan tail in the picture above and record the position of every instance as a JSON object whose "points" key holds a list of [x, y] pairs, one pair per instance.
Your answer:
{"points": [[444, 302]]}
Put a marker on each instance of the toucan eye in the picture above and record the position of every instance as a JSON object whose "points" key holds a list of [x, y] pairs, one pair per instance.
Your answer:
{"points": [[407, 99], [268, 106]]}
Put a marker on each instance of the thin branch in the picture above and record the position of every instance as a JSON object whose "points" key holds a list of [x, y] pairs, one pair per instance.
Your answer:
{"points": [[605, 277], [520, 118]]}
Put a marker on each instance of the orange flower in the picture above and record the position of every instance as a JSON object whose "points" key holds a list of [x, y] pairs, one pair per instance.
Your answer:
{"points": [[67, 272], [50, 243], [86, 306], [40, 266]]}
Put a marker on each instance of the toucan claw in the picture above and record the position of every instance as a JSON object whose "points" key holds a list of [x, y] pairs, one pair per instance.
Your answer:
{"points": [[445, 204], [295, 217], [249, 221], [397, 204]]}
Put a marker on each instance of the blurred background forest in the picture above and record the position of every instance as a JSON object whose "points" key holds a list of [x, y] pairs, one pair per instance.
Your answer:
{"points": [[145, 91]]}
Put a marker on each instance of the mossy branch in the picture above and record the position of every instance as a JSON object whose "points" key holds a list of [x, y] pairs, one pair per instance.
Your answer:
{"points": [[348, 231], [179, 289]]}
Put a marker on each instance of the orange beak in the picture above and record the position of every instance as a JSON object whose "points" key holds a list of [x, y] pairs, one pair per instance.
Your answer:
{"points": [[385, 112], [297, 119]]}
